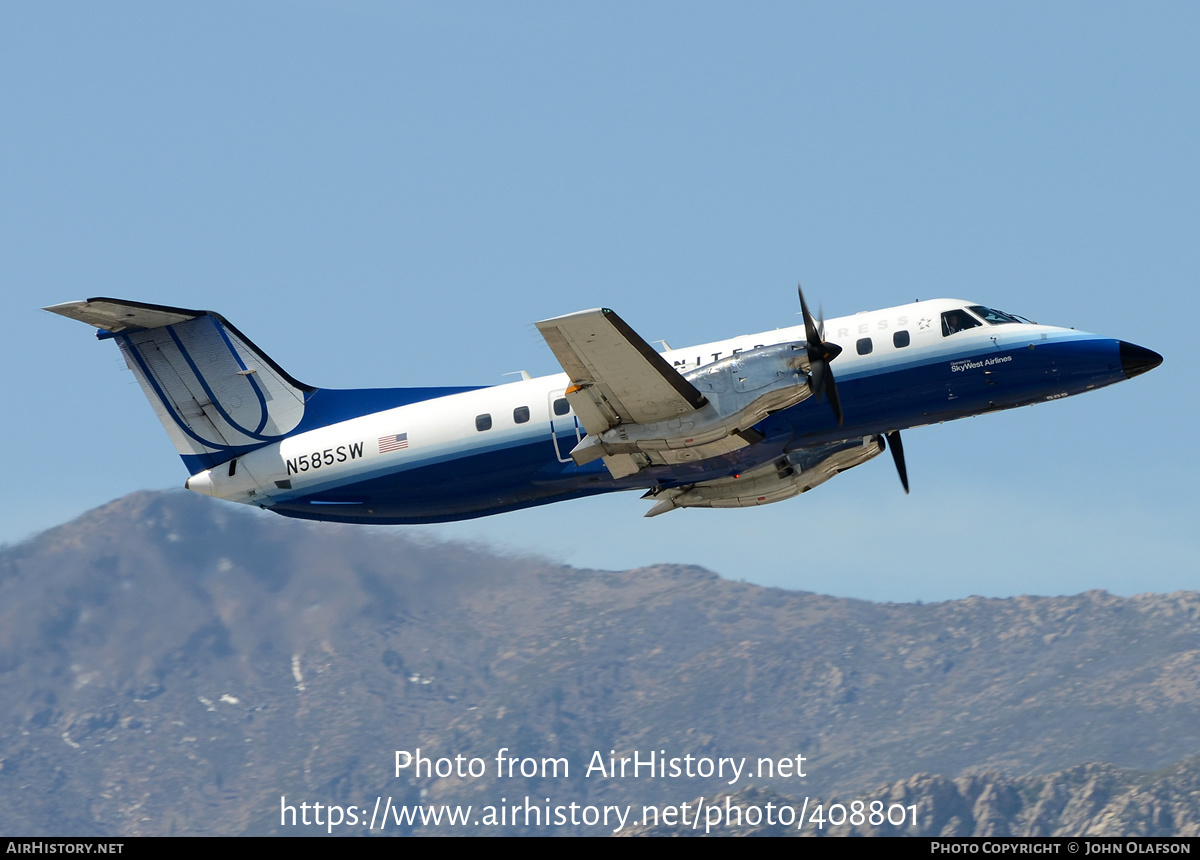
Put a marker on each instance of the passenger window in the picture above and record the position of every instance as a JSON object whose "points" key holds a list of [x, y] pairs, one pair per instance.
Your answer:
{"points": [[521, 414], [561, 406], [900, 338], [483, 422], [864, 346]]}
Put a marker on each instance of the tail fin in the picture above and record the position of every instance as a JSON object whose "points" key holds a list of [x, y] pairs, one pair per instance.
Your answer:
{"points": [[215, 392]]}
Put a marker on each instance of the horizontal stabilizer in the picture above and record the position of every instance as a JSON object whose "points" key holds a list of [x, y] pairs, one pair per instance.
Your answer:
{"points": [[114, 315]]}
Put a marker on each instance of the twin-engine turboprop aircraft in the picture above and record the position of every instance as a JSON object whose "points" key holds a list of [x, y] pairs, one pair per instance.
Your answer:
{"points": [[735, 423]]}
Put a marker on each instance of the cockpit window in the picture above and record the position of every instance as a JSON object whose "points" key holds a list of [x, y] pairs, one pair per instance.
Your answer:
{"points": [[956, 321], [993, 316]]}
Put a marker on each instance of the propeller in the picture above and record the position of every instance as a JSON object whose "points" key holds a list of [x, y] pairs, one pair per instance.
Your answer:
{"points": [[893, 442], [820, 353]]}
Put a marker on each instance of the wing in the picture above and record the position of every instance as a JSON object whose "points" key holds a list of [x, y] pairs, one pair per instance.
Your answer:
{"points": [[616, 377]]}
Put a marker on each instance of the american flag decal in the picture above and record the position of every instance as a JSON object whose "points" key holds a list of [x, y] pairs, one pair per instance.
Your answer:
{"points": [[393, 443]]}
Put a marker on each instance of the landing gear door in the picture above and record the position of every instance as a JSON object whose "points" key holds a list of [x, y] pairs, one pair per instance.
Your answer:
{"points": [[562, 423]]}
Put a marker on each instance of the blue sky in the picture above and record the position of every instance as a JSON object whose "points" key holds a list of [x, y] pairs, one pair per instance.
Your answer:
{"points": [[390, 194]]}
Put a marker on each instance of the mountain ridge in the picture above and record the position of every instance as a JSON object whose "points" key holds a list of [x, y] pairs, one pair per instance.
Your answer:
{"points": [[169, 664]]}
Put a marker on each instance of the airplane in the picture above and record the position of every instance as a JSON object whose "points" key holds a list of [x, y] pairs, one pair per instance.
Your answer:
{"points": [[742, 422]]}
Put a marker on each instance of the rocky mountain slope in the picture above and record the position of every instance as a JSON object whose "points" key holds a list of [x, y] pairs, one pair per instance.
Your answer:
{"points": [[1091, 799], [170, 664]]}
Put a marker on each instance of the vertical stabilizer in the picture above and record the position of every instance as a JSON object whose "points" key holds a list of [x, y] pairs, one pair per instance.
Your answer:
{"points": [[216, 393]]}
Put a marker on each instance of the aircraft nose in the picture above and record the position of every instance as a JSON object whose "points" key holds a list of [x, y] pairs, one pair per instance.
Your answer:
{"points": [[1137, 359]]}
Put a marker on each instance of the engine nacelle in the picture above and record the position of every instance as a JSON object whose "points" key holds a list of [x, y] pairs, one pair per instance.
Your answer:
{"points": [[742, 390], [788, 476]]}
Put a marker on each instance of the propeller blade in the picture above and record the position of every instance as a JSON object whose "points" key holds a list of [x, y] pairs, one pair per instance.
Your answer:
{"points": [[893, 442], [834, 400], [811, 334], [816, 373], [820, 353], [823, 385]]}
